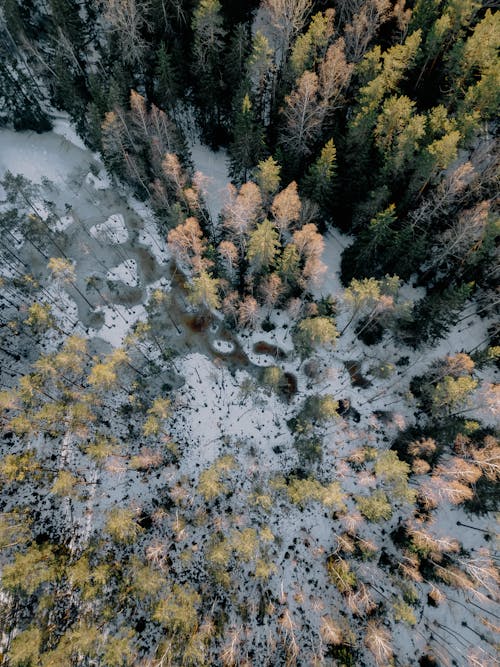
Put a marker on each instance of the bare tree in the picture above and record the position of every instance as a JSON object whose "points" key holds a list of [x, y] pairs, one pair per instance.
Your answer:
{"points": [[334, 76], [127, 19], [363, 27], [287, 18], [303, 115], [378, 641], [286, 207]]}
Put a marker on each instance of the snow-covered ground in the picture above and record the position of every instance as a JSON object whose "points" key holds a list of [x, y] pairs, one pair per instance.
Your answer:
{"points": [[214, 167], [222, 410], [112, 230]]}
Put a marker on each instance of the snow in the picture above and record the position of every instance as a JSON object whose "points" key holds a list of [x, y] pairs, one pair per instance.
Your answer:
{"points": [[149, 235], [62, 126], [126, 272], [41, 210], [118, 320], [113, 230], [214, 167], [39, 156], [62, 223], [100, 182], [335, 243], [215, 415], [223, 346]]}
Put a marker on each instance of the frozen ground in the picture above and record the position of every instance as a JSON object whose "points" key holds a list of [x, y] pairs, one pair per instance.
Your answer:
{"points": [[214, 167], [223, 410]]}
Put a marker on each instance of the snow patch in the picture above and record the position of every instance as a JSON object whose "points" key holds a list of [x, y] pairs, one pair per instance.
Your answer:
{"points": [[126, 272], [224, 346], [335, 244], [214, 167], [100, 182], [149, 235], [63, 127], [62, 223], [113, 230], [117, 322]]}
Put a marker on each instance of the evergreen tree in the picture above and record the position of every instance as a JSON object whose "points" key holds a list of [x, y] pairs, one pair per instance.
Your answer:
{"points": [[261, 74], [205, 291], [167, 86], [310, 48], [433, 315], [319, 181], [247, 144], [236, 60], [268, 177], [207, 65], [263, 246]]}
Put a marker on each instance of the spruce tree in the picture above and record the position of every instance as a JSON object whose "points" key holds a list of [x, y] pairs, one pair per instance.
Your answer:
{"points": [[434, 315], [319, 182], [207, 65], [167, 80], [247, 144]]}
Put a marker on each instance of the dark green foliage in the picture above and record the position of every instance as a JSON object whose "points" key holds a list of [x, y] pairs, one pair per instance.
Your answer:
{"points": [[434, 315], [19, 99], [384, 246], [66, 16], [235, 61], [247, 145], [319, 181], [309, 448], [167, 79]]}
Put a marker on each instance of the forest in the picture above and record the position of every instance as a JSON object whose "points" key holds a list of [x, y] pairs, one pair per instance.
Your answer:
{"points": [[249, 333]]}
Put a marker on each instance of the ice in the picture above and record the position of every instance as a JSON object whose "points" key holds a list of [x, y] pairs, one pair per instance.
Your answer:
{"points": [[40, 156]]}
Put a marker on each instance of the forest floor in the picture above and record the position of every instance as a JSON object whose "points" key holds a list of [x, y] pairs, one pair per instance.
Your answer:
{"points": [[220, 409]]}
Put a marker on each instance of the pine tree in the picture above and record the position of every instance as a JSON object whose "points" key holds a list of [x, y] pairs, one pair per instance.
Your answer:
{"points": [[261, 75], [383, 73], [167, 77], [67, 19], [236, 60], [398, 133], [25, 647], [433, 315], [319, 182], [113, 137], [479, 62], [360, 259], [268, 177], [207, 65], [204, 291], [313, 331], [288, 265], [247, 144], [263, 246], [310, 48], [121, 525]]}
